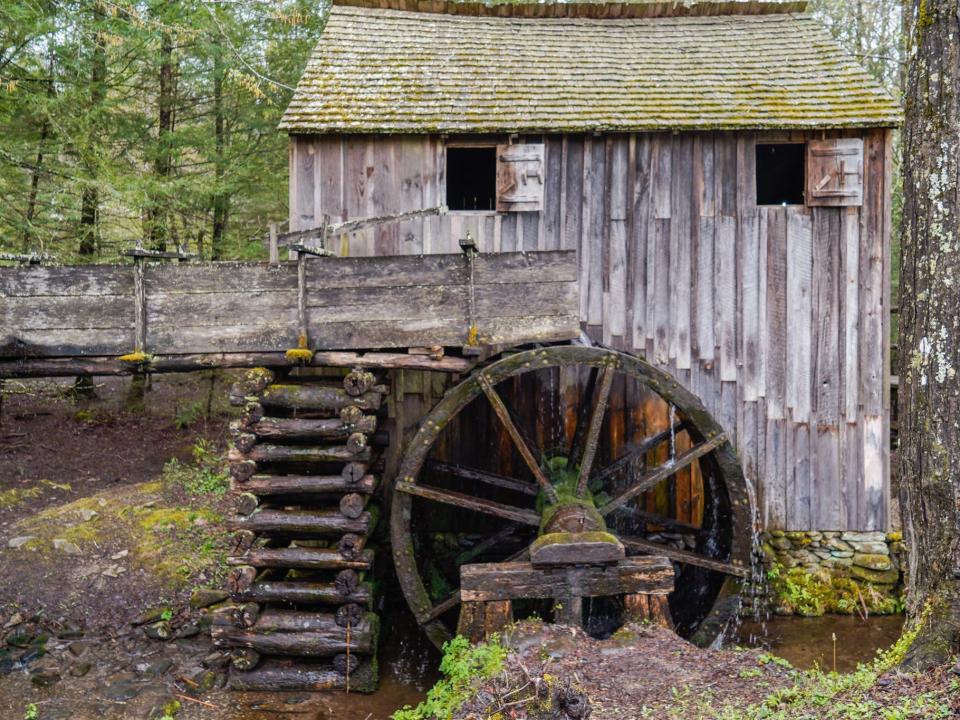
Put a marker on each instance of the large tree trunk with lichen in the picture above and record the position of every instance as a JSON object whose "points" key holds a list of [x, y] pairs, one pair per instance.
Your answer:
{"points": [[930, 334]]}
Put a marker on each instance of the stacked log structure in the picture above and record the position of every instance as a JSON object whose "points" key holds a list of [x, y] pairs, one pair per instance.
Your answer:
{"points": [[304, 472]]}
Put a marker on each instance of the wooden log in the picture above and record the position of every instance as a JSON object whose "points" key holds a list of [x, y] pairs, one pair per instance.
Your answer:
{"points": [[250, 384], [301, 429], [244, 442], [497, 616], [242, 470], [347, 581], [647, 608], [580, 548], [264, 453], [244, 659], [246, 503], [342, 662], [351, 545], [568, 610], [240, 579], [297, 592], [188, 362], [352, 505], [365, 625], [684, 556], [316, 396], [252, 413], [358, 381], [349, 614], [277, 676], [321, 636], [297, 523], [357, 443], [471, 623], [351, 415], [303, 558], [242, 616], [514, 580], [354, 471], [267, 485], [242, 541]]}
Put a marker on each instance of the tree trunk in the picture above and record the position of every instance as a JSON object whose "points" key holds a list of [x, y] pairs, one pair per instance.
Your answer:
{"points": [[221, 201], [90, 199], [930, 335], [158, 217]]}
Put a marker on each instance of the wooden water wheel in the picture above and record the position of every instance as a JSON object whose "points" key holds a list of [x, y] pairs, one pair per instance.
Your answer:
{"points": [[563, 473]]}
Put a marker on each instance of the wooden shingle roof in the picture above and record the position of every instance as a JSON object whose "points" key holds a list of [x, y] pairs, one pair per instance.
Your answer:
{"points": [[393, 71]]}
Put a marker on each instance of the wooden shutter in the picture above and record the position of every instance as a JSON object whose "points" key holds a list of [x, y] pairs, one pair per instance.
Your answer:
{"points": [[519, 178], [835, 172]]}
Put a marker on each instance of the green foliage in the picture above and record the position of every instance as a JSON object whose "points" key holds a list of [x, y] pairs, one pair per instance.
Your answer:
{"points": [[166, 615], [813, 593], [463, 666], [31, 712], [83, 153], [204, 476], [188, 414]]}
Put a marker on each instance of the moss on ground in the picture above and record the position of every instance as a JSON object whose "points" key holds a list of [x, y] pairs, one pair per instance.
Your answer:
{"points": [[171, 539]]}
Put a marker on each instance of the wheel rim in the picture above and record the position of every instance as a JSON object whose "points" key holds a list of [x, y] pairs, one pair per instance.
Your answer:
{"points": [[724, 541]]}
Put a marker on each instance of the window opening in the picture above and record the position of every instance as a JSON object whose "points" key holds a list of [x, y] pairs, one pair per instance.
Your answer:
{"points": [[780, 173], [471, 178]]}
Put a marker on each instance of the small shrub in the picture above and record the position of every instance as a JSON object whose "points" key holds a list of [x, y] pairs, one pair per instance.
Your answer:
{"points": [[31, 713], [188, 415], [462, 666], [204, 476]]}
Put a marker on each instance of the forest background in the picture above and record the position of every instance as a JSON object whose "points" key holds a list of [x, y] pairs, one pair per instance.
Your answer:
{"points": [[155, 121]]}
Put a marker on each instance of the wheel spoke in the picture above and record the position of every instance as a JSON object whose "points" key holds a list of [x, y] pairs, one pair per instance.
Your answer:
{"points": [[469, 473], [653, 519], [501, 411], [468, 502], [580, 431], [661, 473], [593, 433], [648, 547], [486, 544], [637, 452], [451, 601]]}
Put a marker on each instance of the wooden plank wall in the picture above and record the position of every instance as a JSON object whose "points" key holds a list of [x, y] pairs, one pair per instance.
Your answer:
{"points": [[776, 317], [352, 303]]}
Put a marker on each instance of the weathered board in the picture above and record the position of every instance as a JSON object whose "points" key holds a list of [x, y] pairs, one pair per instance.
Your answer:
{"points": [[776, 317], [366, 302]]}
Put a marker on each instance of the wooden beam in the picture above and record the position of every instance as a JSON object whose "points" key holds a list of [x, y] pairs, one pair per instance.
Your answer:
{"points": [[636, 452], [516, 580], [488, 478], [661, 473], [683, 556], [504, 415], [593, 433], [468, 502]]}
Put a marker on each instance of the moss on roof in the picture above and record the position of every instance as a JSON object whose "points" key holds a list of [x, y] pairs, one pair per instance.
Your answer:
{"points": [[392, 71]]}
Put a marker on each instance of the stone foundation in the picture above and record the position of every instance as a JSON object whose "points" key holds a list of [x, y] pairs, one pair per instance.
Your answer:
{"points": [[812, 573]]}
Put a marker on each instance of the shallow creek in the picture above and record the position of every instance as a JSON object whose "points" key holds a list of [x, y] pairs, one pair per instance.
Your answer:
{"points": [[806, 642]]}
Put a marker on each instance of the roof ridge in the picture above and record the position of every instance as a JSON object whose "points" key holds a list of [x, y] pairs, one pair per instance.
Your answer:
{"points": [[598, 9]]}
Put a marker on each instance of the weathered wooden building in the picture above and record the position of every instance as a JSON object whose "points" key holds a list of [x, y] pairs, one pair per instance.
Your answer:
{"points": [[722, 168]]}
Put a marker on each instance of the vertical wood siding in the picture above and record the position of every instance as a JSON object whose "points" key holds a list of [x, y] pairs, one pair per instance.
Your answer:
{"points": [[776, 317]]}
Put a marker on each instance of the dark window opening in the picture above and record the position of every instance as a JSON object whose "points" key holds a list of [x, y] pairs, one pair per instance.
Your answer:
{"points": [[471, 178], [780, 175]]}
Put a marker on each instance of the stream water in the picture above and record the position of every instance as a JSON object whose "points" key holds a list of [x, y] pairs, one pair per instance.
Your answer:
{"points": [[807, 642]]}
